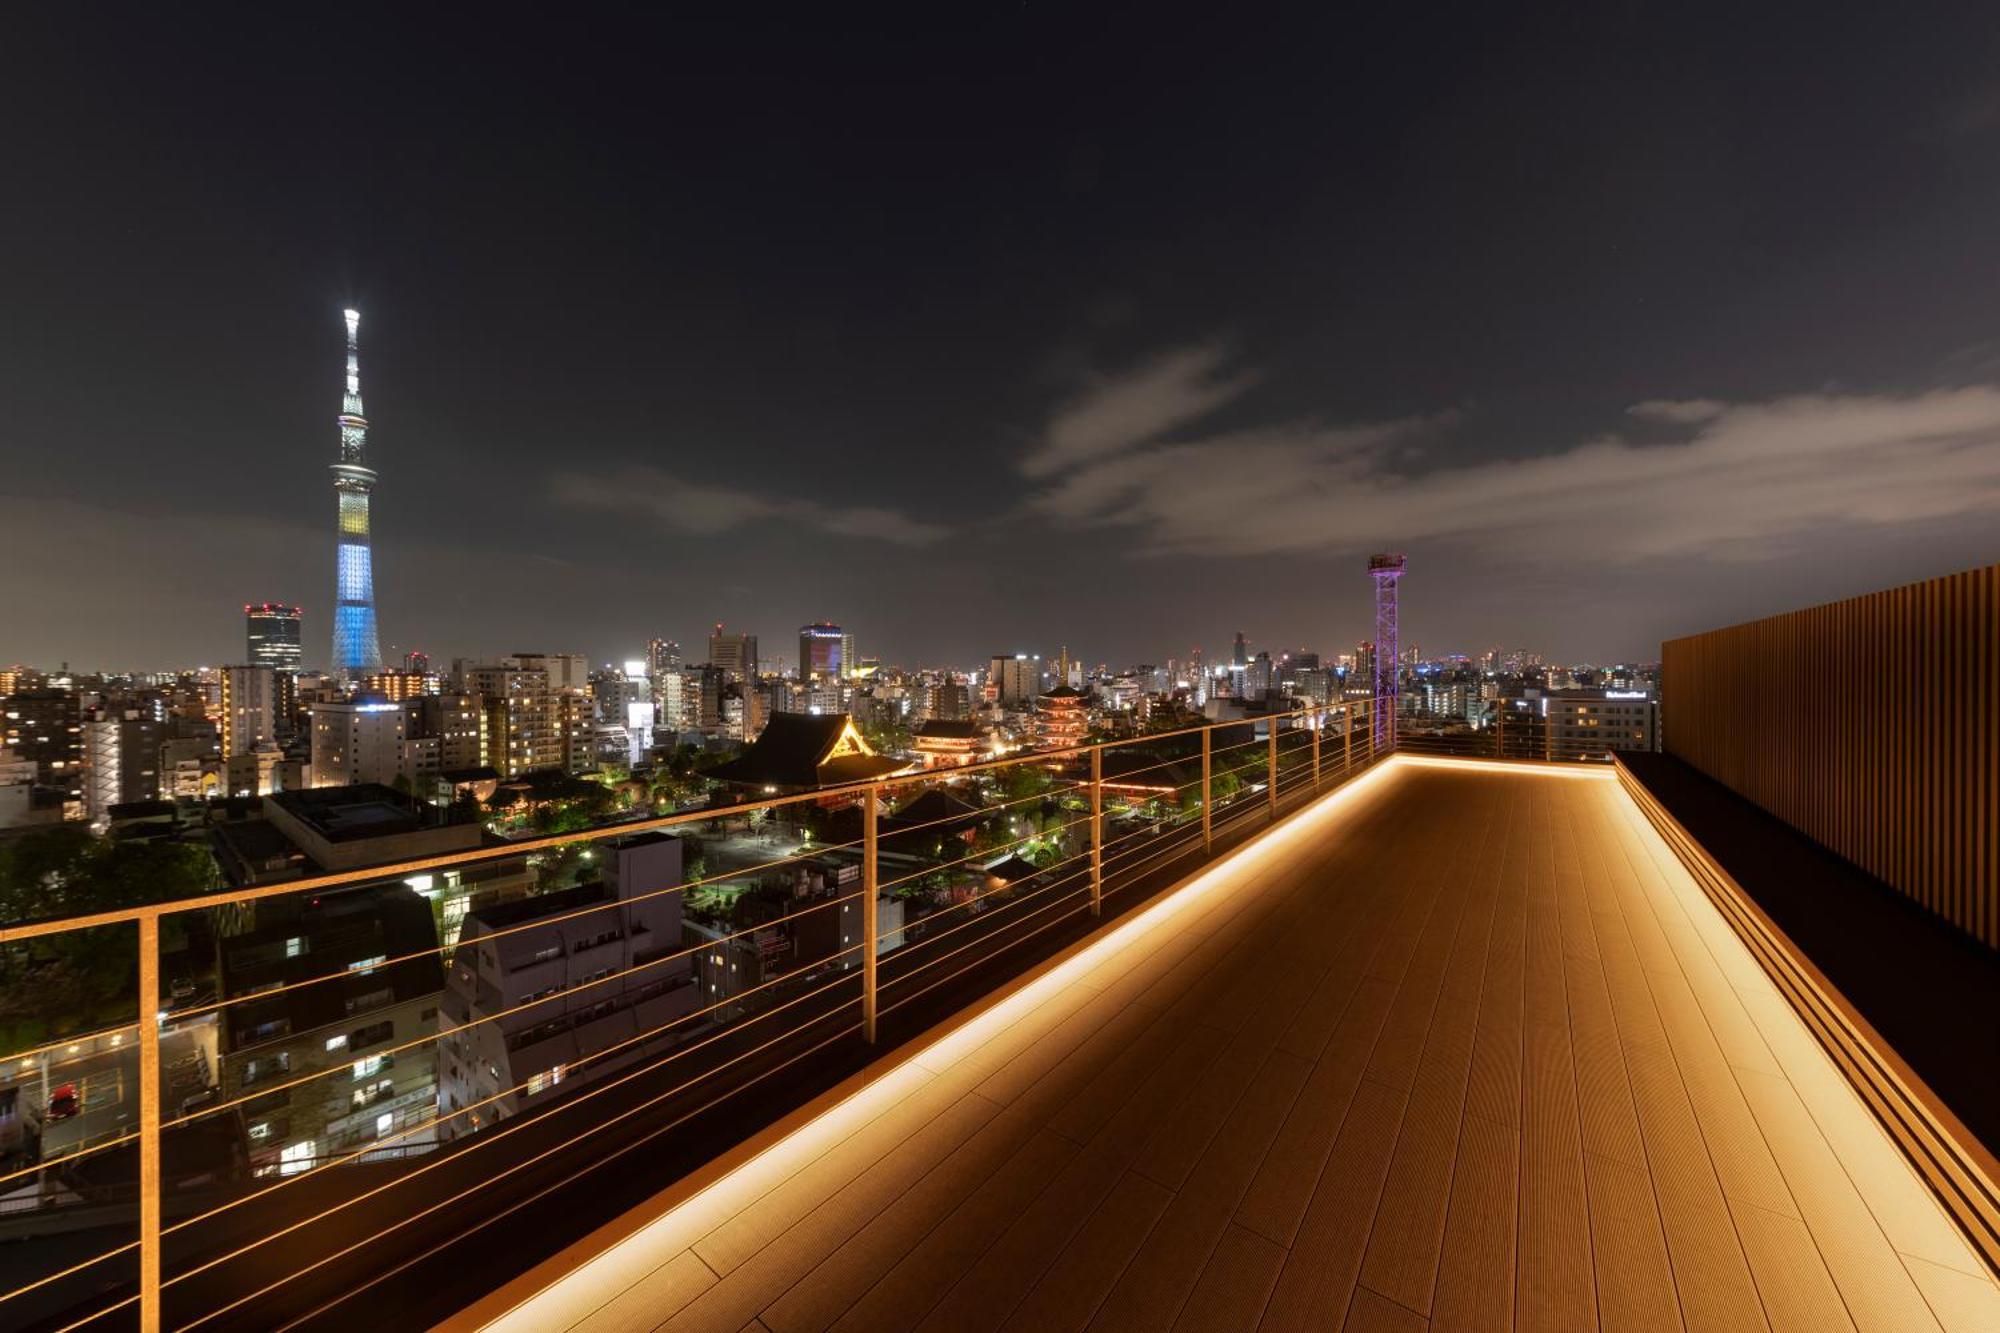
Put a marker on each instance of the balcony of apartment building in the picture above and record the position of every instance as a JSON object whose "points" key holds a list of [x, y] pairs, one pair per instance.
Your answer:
{"points": [[1314, 1031]]}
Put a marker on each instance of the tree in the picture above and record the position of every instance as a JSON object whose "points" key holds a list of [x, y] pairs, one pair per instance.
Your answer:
{"points": [[83, 978]]}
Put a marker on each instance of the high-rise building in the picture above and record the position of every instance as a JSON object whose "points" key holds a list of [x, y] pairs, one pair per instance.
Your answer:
{"points": [[1013, 682], [820, 647], [736, 654], [271, 636], [662, 656], [250, 708], [357, 649]]}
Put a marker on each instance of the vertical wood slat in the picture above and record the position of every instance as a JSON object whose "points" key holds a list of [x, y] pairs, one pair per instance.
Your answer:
{"points": [[1871, 725]]}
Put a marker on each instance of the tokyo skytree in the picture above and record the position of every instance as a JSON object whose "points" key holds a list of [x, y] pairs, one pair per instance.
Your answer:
{"points": [[357, 651]]}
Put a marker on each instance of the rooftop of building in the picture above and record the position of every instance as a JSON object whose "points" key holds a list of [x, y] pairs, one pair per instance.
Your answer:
{"points": [[363, 810]]}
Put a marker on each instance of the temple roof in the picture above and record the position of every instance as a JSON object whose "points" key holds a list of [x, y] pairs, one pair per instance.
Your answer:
{"points": [[807, 750]]}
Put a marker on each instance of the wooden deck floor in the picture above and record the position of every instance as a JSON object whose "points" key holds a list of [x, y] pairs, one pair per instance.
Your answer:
{"points": [[1462, 1049]]}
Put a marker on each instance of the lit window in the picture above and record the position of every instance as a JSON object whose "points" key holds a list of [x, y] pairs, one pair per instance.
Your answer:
{"points": [[295, 1157], [337, 1043]]}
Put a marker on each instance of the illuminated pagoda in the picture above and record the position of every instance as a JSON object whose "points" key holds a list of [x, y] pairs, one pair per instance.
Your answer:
{"points": [[800, 752], [357, 649], [1062, 718]]}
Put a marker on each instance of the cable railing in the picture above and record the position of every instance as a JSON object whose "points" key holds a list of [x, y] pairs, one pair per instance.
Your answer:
{"points": [[375, 1049], [1559, 737]]}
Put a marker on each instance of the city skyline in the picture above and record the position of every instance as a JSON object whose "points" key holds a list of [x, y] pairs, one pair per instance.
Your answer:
{"points": [[629, 382]]}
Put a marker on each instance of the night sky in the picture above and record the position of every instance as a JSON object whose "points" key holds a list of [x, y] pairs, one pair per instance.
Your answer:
{"points": [[1004, 329]]}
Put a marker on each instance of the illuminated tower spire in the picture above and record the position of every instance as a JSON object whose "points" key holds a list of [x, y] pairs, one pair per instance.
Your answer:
{"points": [[356, 649], [1386, 569]]}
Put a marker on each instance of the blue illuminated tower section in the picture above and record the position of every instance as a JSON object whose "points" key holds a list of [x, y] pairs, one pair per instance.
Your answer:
{"points": [[1386, 570], [357, 650]]}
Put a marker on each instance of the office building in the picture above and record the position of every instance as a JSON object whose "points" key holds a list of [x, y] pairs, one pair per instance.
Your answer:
{"points": [[820, 648], [1013, 682], [1598, 722], [735, 654], [272, 636]]}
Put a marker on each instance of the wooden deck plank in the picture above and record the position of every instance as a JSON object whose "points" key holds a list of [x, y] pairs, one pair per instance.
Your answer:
{"points": [[1372, 1313], [1165, 1269], [1791, 1276], [1482, 1056], [921, 1275], [1070, 1292], [1475, 1284], [1629, 1247], [1234, 1285], [1317, 1281]]}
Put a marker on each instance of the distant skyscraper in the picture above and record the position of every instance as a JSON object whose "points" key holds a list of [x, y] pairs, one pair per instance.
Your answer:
{"points": [[736, 654], [820, 647], [271, 632], [1386, 571], [1013, 682], [1241, 655], [662, 656], [357, 650]]}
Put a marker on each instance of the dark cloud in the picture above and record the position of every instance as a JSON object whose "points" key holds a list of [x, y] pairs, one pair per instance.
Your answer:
{"points": [[1746, 482], [698, 510]]}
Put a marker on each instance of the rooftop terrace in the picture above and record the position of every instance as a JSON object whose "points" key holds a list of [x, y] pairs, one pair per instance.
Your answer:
{"points": [[1459, 1045]]}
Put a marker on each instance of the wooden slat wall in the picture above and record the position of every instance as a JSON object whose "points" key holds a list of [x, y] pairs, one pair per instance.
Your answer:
{"points": [[1870, 725]]}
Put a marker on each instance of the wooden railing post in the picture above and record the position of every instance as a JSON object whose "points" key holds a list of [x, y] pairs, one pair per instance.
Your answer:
{"points": [[149, 1124], [1346, 739], [1097, 830], [1318, 721], [1272, 765], [869, 914], [1207, 792]]}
